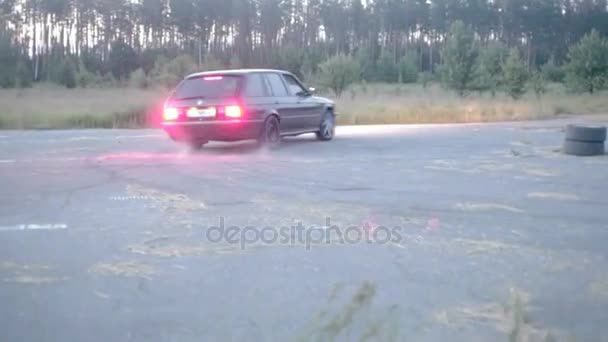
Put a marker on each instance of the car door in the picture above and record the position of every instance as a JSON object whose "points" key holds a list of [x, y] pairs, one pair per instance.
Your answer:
{"points": [[307, 111], [257, 96], [282, 101]]}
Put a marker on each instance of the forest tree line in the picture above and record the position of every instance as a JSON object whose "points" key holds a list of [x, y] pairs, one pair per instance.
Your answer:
{"points": [[469, 44]]}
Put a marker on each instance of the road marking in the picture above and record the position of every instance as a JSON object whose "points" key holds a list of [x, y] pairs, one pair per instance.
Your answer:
{"points": [[52, 226], [129, 198], [7, 161]]}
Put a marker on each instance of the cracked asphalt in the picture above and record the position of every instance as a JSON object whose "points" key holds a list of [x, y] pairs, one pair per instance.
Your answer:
{"points": [[105, 236]]}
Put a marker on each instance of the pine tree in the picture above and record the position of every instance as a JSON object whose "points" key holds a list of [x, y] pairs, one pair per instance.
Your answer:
{"points": [[458, 58], [515, 74]]}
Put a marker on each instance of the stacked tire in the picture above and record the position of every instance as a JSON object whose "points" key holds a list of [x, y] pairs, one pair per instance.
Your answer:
{"points": [[584, 140]]}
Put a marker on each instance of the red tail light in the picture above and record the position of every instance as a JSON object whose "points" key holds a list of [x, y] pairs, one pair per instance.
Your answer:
{"points": [[170, 114], [233, 112]]}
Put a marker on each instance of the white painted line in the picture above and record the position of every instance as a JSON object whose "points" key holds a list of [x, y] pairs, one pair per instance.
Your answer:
{"points": [[6, 161], [129, 198], [52, 226]]}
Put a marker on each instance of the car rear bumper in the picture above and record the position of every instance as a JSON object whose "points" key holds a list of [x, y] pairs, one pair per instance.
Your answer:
{"points": [[225, 130]]}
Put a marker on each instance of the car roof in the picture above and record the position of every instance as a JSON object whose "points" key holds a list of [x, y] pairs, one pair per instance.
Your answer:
{"points": [[235, 72]]}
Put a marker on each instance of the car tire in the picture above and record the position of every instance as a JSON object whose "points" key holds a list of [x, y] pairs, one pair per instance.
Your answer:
{"points": [[583, 148], [197, 144], [327, 128], [582, 133], [271, 133]]}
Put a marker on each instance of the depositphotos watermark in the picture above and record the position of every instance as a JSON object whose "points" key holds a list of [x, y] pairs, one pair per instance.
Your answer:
{"points": [[300, 235]]}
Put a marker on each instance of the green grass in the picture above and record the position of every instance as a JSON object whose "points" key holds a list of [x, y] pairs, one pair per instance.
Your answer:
{"points": [[52, 107]]}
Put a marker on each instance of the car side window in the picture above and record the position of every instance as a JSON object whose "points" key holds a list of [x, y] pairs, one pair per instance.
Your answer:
{"points": [[255, 86], [294, 86], [276, 85]]}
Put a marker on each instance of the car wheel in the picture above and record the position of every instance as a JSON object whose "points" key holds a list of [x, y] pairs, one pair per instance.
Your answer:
{"points": [[197, 144], [328, 127], [271, 134]]}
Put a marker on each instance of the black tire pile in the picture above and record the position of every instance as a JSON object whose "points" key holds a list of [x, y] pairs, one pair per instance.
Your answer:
{"points": [[584, 140]]}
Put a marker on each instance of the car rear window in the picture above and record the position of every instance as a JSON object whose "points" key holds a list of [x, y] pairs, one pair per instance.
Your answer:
{"points": [[218, 86]]}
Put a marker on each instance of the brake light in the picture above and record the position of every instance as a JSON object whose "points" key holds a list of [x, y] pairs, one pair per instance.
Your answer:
{"points": [[212, 78], [234, 112], [170, 114]]}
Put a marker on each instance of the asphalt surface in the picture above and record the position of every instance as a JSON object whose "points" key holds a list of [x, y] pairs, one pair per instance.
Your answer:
{"points": [[105, 236]]}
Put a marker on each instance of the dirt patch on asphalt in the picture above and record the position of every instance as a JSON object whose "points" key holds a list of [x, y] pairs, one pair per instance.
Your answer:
{"points": [[36, 274], [182, 250], [599, 288], [127, 269], [511, 317], [166, 201]]}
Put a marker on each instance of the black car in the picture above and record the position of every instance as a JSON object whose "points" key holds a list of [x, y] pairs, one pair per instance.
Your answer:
{"points": [[231, 105]]}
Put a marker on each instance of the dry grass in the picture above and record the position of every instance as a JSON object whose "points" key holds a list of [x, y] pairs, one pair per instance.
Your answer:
{"points": [[47, 106], [386, 104]]}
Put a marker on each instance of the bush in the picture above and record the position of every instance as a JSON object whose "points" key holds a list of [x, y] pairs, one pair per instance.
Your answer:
{"points": [[538, 83], [365, 58], [339, 72], [489, 68], [138, 79], [458, 58], [587, 69], [552, 72], [23, 75], [386, 68], [9, 54], [169, 73], [287, 58], [515, 74], [84, 77], [425, 78], [210, 62], [122, 59], [67, 76], [408, 69]]}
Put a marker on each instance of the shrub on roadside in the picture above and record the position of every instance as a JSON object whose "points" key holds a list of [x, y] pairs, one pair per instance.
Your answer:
{"points": [[84, 77], [489, 73], [408, 68], [339, 72], [515, 74], [386, 68], [67, 76], [552, 72], [459, 55], [138, 79], [538, 83], [587, 69], [425, 78], [23, 75], [168, 73]]}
